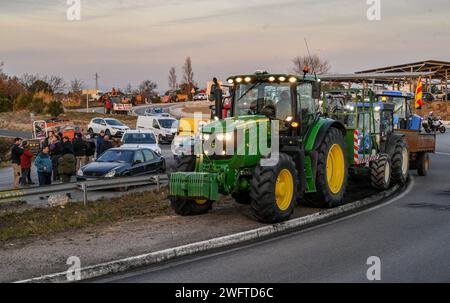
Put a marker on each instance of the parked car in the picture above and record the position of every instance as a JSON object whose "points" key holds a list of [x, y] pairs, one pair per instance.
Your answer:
{"points": [[111, 127], [123, 162], [201, 97], [155, 111], [165, 128], [141, 139]]}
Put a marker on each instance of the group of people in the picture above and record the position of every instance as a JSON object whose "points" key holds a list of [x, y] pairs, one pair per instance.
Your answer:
{"points": [[59, 158]]}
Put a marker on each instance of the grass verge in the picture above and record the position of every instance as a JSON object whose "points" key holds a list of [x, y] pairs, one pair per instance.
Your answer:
{"points": [[74, 216]]}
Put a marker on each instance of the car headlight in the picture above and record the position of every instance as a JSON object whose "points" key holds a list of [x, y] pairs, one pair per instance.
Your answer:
{"points": [[158, 151], [111, 174], [80, 173]]}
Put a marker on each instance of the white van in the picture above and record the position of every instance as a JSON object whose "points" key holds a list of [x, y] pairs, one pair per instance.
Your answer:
{"points": [[165, 128]]}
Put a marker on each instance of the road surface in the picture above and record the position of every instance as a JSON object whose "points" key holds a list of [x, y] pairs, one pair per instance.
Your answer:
{"points": [[410, 236]]}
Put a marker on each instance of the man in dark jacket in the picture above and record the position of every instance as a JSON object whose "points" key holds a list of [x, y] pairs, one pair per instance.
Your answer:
{"points": [[217, 97], [99, 142], [107, 144], [79, 149], [67, 164], [55, 151], [16, 152]]}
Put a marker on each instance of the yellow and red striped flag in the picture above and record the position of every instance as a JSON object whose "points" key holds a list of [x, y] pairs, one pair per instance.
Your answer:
{"points": [[419, 94]]}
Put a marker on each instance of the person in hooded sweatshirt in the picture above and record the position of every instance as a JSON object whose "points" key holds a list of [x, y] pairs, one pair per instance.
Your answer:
{"points": [[67, 163], [44, 167]]}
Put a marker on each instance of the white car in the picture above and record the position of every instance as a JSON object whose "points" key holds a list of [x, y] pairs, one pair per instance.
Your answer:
{"points": [[201, 97], [165, 128], [141, 139], [111, 127]]}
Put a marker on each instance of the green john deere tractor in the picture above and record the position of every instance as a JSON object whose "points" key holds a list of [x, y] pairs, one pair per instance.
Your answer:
{"points": [[273, 151]]}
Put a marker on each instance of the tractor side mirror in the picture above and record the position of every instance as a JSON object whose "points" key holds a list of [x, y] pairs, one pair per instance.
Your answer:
{"points": [[316, 88]]}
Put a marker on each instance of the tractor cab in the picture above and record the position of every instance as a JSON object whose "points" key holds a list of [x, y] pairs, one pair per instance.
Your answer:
{"points": [[403, 115], [288, 98]]}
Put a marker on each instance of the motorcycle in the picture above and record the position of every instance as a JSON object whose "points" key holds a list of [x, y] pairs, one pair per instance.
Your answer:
{"points": [[432, 124]]}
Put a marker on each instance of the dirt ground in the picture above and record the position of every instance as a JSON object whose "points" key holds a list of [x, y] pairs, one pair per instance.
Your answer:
{"points": [[38, 255]]}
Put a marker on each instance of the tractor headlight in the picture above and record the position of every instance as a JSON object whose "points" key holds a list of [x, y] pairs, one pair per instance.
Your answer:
{"points": [[224, 137], [206, 137], [111, 174]]}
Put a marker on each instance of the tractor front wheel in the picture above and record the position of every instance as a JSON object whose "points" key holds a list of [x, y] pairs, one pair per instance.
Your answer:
{"points": [[400, 163], [381, 170], [332, 172], [189, 207], [273, 191]]}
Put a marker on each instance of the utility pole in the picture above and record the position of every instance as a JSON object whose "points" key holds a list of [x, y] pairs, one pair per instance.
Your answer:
{"points": [[96, 81]]}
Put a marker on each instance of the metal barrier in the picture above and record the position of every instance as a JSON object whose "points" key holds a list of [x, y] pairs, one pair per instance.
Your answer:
{"points": [[84, 186]]}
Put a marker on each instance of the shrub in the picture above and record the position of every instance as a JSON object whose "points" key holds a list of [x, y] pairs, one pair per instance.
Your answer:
{"points": [[22, 102], [55, 108], [5, 103], [37, 106]]}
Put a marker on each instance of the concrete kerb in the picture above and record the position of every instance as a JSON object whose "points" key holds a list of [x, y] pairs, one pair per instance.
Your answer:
{"points": [[126, 264]]}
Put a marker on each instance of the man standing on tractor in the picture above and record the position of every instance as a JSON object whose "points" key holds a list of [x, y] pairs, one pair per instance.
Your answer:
{"points": [[216, 96]]}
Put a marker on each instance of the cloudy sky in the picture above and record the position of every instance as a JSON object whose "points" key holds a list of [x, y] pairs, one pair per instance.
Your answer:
{"points": [[127, 41]]}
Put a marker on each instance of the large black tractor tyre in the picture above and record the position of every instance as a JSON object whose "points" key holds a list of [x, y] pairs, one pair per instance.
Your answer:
{"points": [[273, 191], [189, 207], [330, 188], [423, 164], [381, 172], [242, 198], [400, 163]]}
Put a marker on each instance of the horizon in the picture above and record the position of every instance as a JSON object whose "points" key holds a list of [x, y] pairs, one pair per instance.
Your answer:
{"points": [[131, 41]]}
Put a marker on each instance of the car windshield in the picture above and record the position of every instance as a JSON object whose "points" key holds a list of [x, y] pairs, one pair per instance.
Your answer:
{"points": [[113, 122], [257, 98], [120, 156], [138, 138], [168, 123]]}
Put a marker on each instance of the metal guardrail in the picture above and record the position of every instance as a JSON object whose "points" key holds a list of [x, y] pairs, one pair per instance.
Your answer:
{"points": [[84, 186]]}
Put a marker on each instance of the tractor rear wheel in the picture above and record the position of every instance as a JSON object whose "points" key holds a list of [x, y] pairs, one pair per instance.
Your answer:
{"points": [[189, 207], [381, 170], [400, 163], [332, 172], [273, 191], [423, 164]]}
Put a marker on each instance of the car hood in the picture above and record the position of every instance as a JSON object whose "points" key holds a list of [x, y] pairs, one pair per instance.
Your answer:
{"points": [[102, 168]]}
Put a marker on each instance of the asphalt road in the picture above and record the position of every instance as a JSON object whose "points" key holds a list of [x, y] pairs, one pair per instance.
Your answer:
{"points": [[409, 234]]}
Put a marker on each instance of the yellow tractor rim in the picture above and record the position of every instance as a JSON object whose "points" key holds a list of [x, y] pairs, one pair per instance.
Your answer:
{"points": [[335, 169], [284, 189], [201, 202]]}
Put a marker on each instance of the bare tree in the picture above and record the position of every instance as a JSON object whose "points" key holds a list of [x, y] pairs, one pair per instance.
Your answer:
{"points": [[188, 77], [56, 83], [172, 78], [76, 85], [28, 80], [316, 64], [2, 75], [147, 89]]}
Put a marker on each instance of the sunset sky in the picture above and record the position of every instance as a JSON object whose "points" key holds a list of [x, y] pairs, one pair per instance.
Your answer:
{"points": [[127, 41]]}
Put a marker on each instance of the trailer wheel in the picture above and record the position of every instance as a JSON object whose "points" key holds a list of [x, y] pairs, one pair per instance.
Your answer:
{"points": [[400, 163], [423, 164], [381, 170], [273, 191], [332, 172]]}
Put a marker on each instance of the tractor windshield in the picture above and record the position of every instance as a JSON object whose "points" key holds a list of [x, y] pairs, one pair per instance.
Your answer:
{"points": [[261, 98]]}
